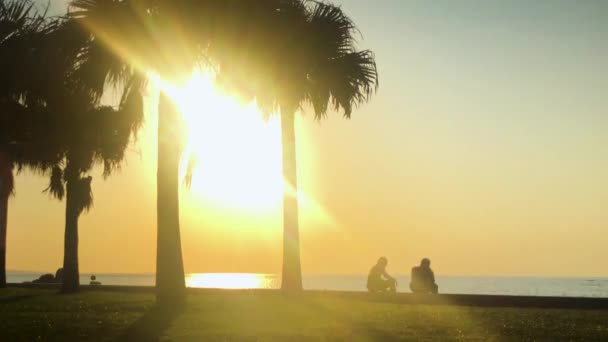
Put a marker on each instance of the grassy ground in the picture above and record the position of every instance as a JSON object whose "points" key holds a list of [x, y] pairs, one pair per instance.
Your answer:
{"points": [[30, 315]]}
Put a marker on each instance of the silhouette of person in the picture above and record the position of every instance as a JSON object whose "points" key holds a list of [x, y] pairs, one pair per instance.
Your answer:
{"points": [[380, 281], [423, 278], [94, 280]]}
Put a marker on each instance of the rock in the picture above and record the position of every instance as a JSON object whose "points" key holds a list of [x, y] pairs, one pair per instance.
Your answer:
{"points": [[59, 275], [45, 279]]}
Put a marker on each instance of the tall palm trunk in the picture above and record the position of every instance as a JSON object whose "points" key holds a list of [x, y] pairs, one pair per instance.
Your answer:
{"points": [[3, 226], [71, 275], [292, 272], [170, 278], [6, 188]]}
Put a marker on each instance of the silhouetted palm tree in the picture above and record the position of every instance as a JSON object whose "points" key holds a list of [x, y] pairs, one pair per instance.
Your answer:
{"points": [[132, 36], [325, 69], [306, 55], [24, 144], [97, 136], [171, 38], [21, 29], [314, 61], [6, 189], [260, 48], [90, 134], [55, 125]]}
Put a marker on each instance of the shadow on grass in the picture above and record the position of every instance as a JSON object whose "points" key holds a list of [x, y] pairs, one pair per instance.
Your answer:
{"points": [[16, 298], [359, 328], [151, 325]]}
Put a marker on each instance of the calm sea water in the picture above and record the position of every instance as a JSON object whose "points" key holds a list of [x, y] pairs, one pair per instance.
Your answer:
{"points": [[561, 287]]}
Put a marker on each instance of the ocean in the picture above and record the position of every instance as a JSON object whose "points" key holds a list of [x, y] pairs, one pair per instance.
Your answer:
{"points": [[522, 286]]}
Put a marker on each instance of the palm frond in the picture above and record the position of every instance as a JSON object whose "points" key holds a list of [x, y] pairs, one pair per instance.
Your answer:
{"points": [[83, 195], [21, 28], [56, 186], [353, 79], [131, 102], [115, 41], [7, 179], [331, 31], [192, 164], [16, 16], [337, 74]]}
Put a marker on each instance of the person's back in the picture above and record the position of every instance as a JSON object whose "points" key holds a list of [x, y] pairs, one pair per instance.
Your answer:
{"points": [[375, 274], [423, 278]]}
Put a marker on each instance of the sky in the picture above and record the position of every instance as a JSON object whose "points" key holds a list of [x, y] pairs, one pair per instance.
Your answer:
{"points": [[483, 150]]}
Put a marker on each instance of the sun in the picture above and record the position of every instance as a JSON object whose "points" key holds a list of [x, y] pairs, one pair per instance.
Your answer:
{"points": [[238, 152]]}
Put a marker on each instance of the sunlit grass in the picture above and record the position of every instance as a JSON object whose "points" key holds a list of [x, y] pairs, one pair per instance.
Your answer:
{"points": [[30, 315]]}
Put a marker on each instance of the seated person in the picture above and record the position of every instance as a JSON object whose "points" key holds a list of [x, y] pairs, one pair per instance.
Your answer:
{"points": [[94, 281], [423, 278], [380, 281]]}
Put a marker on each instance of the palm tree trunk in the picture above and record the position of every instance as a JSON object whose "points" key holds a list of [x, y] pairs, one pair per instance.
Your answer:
{"points": [[292, 272], [3, 225], [170, 278], [71, 275], [6, 188]]}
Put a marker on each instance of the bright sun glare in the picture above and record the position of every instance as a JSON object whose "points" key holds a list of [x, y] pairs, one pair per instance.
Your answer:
{"points": [[230, 280], [238, 152]]}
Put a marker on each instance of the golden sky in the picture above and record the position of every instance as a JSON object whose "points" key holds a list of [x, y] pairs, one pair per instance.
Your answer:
{"points": [[484, 150]]}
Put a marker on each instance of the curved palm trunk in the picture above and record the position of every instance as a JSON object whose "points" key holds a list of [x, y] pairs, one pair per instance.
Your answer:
{"points": [[170, 278], [6, 188], [71, 275], [292, 272]]}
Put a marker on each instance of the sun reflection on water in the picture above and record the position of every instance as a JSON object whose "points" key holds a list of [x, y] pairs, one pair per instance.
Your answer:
{"points": [[231, 280]]}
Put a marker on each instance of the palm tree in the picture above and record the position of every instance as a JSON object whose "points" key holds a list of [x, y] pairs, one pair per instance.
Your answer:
{"points": [[6, 189], [304, 54], [282, 52], [21, 28], [321, 66], [100, 135], [325, 70], [90, 134], [130, 35], [314, 60], [56, 126], [24, 145], [171, 38]]}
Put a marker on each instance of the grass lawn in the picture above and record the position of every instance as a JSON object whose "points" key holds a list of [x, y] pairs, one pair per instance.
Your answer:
{"points": [[44, 315]]}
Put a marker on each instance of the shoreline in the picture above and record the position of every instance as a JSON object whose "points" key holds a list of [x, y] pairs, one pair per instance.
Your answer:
{"points": [[547, 302]]}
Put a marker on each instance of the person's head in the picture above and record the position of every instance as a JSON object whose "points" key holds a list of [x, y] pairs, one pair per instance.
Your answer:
{"points": [[93, 277], [425, 263], [382, 262]]}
